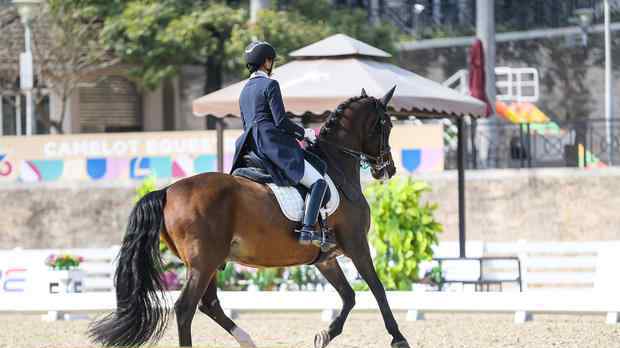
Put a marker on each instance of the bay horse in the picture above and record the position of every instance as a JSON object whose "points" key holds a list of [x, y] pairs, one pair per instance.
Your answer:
{"points": [[211, 218]]}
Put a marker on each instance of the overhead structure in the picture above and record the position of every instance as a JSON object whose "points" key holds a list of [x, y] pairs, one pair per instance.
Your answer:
{"points": [[330, 71]]}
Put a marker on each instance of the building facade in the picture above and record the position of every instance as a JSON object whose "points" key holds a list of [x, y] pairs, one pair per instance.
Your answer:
{"points": [[107, 100]]}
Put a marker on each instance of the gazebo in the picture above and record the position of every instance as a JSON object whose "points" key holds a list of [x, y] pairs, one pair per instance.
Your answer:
{"points": [[325, 73]]}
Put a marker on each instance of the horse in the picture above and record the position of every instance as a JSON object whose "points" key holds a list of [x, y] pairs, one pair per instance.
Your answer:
{"points": [[211, 218]]}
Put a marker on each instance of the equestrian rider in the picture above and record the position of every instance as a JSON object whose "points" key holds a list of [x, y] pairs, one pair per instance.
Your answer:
{"points": [[272, 136]]}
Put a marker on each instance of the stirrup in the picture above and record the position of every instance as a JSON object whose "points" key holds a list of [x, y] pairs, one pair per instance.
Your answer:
{"points": [[305, 236], [325, 238]]}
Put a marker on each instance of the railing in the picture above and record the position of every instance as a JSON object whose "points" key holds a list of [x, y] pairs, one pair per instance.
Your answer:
{"points": [[584, 143], [512, 84], [458, 18]]}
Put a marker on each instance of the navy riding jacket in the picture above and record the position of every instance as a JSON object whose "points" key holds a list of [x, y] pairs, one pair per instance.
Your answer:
{"points": [[269, 132]]}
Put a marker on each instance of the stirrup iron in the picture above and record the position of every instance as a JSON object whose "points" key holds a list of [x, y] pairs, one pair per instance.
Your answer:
{"points": [[325, 238]]}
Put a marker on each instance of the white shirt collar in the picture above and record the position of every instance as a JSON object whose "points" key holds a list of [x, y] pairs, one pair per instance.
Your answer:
{"points": [[259, 73]]}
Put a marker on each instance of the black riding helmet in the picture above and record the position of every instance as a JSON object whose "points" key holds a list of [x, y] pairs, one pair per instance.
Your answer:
{"points": [[256, 53]]}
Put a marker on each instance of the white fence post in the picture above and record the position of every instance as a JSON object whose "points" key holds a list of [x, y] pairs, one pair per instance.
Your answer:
{"points": [[328, 315], [522, 253], [414, 315], [522, 317]]}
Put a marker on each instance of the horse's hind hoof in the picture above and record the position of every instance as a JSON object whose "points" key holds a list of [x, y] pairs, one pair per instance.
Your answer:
{"points": [[401, 344], [322, 339]]}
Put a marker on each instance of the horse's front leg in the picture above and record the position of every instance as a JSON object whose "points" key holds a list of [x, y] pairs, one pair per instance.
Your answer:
{"points": [[360, 254], [333, 273]]}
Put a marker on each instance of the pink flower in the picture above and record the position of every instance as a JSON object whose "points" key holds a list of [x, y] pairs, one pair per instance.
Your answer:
{"points": [[50, 260], [170, 280]]}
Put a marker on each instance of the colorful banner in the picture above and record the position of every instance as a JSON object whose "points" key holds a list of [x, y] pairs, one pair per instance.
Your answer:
{"points": [[417, 148], [168, 155], [107, 157]]}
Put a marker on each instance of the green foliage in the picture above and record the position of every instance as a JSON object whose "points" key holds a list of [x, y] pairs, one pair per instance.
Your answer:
{"points": [[266, 278], [160, 36], [148, 185], [347, 20], [226, 278], [286, 31], [436, 275], [239, 277], [157, 37], [355, 24], [63, 261], [360, 286], [302, 275], [404, 230]]}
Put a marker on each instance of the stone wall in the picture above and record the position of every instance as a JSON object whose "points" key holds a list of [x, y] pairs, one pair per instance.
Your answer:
{"points": [[535, 205], [63, 216], [506, 205]]}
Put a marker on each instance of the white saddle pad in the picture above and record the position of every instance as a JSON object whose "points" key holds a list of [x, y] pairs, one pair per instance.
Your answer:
{"points": [[292, 204]]}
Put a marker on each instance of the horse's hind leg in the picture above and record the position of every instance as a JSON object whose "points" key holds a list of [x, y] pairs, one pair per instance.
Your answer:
{"points": [[202, 267], [185, 307], [211, 306], [333, 273]]}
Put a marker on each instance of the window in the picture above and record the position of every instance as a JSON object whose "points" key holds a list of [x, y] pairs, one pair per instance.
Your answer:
{"points": [[13, 115], [110, 105]]}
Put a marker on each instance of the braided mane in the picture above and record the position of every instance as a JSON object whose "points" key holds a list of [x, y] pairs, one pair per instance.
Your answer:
{"points": [[334, 117]]}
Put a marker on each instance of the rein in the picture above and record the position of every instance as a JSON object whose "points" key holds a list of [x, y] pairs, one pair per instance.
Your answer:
{"points": [[379, 162], [365, 159]]}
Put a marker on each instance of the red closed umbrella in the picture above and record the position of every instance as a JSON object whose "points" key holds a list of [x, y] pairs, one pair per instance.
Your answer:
{"points": [[477, 80]]}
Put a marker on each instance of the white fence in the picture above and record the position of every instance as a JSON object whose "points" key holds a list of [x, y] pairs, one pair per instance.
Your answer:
{"points": [[548, 269], [23, 271], [522, 305]]}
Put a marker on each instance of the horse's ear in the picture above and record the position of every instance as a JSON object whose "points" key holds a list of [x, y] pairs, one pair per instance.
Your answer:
{"points": [[364, 95], [386, 98]]}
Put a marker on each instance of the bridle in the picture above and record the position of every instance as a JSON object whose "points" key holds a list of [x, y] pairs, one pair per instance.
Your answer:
{"points": [[381, 127]]}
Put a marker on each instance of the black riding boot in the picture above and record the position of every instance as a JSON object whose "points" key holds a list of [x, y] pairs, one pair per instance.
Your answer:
{"points": [[313, 204]]}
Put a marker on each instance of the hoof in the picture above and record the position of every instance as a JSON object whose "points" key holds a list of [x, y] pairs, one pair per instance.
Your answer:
{"points": [[321, 340], [400, 344]]}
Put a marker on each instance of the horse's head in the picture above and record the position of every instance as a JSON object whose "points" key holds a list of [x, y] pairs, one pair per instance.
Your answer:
{"points": [[361, 127], [376, 129]]}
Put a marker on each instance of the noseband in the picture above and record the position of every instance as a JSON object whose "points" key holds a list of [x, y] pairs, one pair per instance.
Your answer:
{"points": [[381, 127]]}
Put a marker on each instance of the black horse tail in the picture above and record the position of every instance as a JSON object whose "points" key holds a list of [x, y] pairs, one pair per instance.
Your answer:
{"points": [[142, 312]]}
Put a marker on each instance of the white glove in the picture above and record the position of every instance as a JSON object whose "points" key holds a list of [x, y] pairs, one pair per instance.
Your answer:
{"points": [[310, 134]]}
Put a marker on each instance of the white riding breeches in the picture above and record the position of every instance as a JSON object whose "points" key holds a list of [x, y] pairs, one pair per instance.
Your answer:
{"points": [[311, 175]]}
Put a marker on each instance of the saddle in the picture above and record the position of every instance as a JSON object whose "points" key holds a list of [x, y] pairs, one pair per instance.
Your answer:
{"points": [[291, 199]]}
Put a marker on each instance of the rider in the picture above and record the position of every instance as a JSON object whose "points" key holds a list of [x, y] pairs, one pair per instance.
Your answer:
{"points": [[272, 136]]}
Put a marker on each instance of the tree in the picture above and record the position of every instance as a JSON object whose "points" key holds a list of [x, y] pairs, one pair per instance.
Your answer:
{"points": [[66, 49], [350, 20], [9, 66], [158, 37]]}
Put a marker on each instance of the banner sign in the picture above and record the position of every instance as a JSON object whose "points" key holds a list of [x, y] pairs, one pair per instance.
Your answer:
{"points": [[168, 155]]}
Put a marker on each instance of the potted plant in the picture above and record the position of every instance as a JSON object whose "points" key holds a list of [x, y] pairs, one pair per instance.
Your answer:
{"points": [[404, 230], [64, 274]]}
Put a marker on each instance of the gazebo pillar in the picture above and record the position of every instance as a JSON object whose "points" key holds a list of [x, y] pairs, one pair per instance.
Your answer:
{"points": [[461, 182], [219, 129]]}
